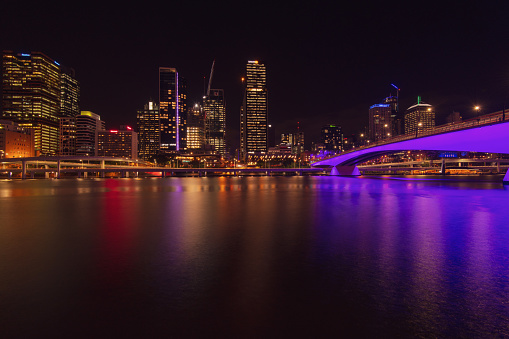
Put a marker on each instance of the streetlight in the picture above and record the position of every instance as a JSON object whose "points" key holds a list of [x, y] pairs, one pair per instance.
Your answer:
{"points": [[417, 129], [478, 110]]}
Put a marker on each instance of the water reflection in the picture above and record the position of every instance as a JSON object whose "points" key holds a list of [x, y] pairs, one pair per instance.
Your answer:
{"points": [[255, 256]]}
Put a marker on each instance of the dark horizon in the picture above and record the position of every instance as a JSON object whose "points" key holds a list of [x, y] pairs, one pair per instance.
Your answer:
{"points": [[325, 64]]}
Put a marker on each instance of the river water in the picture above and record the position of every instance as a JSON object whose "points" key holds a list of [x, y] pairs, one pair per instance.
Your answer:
{"points": [[254, 257]]}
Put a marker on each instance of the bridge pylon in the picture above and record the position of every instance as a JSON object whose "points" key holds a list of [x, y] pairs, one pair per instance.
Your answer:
{"points": [[345, 171]]}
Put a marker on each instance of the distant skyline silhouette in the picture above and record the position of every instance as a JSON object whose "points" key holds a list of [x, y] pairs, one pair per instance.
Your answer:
{"points": [[326, 62]]}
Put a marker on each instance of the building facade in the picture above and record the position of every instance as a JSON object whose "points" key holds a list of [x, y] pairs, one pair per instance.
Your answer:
{"points": [[69, 93], [215, 120], [15, 142], [67, 136], [88, 126], [195, 128], [121, 143], [254, 112], [172, 110], [332, 138], [31, 90], [149, 131], [380, 122], [419, 117]]}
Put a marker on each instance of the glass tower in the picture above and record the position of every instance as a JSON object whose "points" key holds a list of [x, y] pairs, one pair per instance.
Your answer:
{"points": [[380, 122], [195, 128], [254, 114], [172, 110], [149, 137], [31, 89], [69, 93], [215, 120]]}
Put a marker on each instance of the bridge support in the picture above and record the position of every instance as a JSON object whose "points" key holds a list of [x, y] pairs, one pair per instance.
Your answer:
{"points": [[103, 166], [23, 169], [442, 168], [345, 171], [506, 178]]}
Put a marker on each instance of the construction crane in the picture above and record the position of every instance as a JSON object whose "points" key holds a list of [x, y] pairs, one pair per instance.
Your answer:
{"points": [[210, 77]]}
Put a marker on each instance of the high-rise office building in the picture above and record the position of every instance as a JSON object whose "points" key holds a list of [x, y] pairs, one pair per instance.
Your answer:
{"points": [[195, 128], [294, 140], [172, 110], [149, 134], [31, 89], [332, 138], [380, 122], [69, 110], [396, 117], [122, 143], [287, 138], [254, 112], [419, 117], [88, 126], [69, 93], [215, 120], [298, 143], [67, 136]]}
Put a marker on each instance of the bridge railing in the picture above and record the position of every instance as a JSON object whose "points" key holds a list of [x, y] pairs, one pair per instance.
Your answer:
{"points": [[487, 119]]}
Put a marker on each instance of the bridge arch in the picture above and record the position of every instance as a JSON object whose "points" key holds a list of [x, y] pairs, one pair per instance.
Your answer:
{"points": [[487, 139]]}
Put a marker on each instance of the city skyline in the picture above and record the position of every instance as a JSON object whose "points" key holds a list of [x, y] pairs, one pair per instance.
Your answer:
{"points": [[326, 66]]}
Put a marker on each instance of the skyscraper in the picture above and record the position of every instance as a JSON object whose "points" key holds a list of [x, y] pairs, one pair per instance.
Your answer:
{"points": [[172, 110], [67, 136], [419, 117], [254, 114], [195, 128], [215, 120], [31, 88], [69, 110], [380, 123], [88, 125], [332, 138], [69, 93], [149, 134]]}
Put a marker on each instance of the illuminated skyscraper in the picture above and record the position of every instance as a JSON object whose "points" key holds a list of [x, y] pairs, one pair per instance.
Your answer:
{"points": [[294, 140], [332, 138], [215, 120], [254, 115], [195, 128], [69, 110], [380, 123], [31, 88], [67, 136], [149, 134], [419, 117], [69, 93], [88, 126], [172, 110]]}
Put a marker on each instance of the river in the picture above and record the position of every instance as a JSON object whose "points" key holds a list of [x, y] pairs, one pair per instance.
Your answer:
{"points": [[254, 257]]}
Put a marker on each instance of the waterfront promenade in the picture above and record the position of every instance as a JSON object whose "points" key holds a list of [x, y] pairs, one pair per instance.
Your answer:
{"points": [[101, 167]]}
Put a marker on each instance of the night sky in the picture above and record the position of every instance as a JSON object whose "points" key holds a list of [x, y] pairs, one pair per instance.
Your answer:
{"points": [[326, 62]]}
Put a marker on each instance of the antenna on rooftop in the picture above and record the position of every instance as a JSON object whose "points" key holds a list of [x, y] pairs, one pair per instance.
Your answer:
{"points": [[397, 97]]}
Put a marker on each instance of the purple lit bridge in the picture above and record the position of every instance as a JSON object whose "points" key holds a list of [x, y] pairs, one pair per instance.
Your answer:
{"points": [[493, 138]]}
